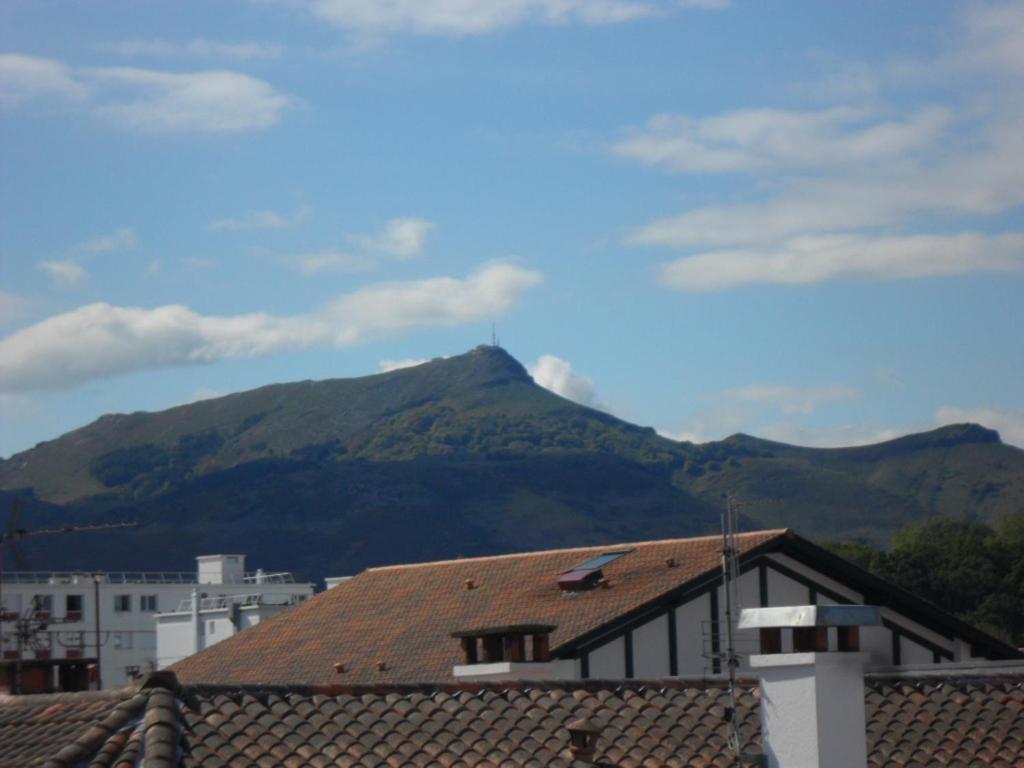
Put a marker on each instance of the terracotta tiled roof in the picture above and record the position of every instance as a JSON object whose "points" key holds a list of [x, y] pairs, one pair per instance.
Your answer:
{"points": [[405, 615], [946, 721]]}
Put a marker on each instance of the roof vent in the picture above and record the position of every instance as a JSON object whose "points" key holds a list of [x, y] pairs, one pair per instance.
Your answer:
{"points": [[470, 584], [583, 735], [575, 581], [339, 667], [671, 562], [382, 666], [588, 575]]}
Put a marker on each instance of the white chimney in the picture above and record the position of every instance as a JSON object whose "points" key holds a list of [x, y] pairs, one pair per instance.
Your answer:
{"points": [[812, 695]]}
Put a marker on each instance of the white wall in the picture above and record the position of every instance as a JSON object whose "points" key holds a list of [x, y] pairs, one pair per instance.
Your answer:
{"points": [[609, 661], [691, 626], [650, 649]]}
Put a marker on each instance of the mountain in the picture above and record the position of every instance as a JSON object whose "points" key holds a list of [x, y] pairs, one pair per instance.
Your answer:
{"points": [[459, 456]]}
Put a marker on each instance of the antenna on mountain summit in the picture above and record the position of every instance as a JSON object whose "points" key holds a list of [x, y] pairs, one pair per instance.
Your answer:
{"points": [[494, 335]]}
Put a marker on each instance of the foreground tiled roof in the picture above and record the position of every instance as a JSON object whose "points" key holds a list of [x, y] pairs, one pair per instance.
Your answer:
{"points": [[403, 616], [949, 722]]}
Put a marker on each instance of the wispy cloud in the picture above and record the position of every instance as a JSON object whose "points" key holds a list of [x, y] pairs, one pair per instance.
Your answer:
{"points": [[460, 18], [12, 307], [814, 259], [64, 274], [196, 48], [26, 78], [146, 100], [101, 340], [321, 262], [215, 101], [853, 192], [121, 239], [265, 219], [557, 374], [386, 366], [762, 139], [403, 238], [777, 412]]}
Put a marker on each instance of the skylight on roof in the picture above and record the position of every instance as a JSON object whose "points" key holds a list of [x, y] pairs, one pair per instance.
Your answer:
{"points": [[601, 561]]}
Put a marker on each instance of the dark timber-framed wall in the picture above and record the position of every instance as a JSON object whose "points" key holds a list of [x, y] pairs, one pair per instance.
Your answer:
{"points": [[693, 647]]}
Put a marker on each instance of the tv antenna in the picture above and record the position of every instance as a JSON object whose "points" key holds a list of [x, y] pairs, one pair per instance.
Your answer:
{"points": [[730, 586]]}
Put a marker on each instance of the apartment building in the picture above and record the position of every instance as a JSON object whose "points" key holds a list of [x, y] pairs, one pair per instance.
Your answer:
{"points": [[69, 631]]}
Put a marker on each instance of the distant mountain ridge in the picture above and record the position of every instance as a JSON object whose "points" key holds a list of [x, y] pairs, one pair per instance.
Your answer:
{"points": [[463, 455]]}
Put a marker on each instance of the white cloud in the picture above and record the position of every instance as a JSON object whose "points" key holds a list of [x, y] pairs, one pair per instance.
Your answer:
{"points": [[404, 238], [762, 139], [64, 273], [458, 18], [265, 219], [980, 180], [204, 393], [199, 47], [121, 239], [988, 42], [792, 400], [100, 340], [557, 374], [215, 101], [386, 366], [23, 78], [777, 412], [147, 100], [818, 258], [1009, 424], [11, 307], [322, 262]]}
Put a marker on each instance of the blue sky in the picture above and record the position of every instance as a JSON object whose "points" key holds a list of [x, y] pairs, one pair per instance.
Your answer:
{"points": [[800, 220]]}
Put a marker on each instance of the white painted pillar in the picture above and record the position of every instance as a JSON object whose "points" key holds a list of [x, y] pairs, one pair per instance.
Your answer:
{"points": [[812, 709]]}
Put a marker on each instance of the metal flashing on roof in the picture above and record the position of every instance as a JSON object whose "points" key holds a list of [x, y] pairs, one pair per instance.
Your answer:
{"points": [[510, 629], [811, 616]]}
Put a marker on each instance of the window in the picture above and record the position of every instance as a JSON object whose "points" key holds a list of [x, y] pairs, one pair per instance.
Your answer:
{"points": [[147, 603], [212, 629], [122, 603], [601, 561], [123, 640], [73, 607]]}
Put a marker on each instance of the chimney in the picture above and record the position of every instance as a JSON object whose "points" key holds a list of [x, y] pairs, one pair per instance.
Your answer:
{"points": [[583, 734], [812, 696]]}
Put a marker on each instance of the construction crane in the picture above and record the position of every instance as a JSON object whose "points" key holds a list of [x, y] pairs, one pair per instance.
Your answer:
{"points": [[29, 626]]}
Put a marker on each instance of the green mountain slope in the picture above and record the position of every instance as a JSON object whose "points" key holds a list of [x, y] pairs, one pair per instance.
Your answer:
{"points": [[464, 455]]}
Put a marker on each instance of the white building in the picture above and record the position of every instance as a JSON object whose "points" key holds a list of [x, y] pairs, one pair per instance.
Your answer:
{"points": [[199, 622], [78, 630]]}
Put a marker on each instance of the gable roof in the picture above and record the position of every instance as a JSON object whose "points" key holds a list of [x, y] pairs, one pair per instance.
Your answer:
{"points": [[405, 615], [977, 721]]}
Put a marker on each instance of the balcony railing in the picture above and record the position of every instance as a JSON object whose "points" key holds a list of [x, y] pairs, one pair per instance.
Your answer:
{"points": [[221, 602], [133, 577]]}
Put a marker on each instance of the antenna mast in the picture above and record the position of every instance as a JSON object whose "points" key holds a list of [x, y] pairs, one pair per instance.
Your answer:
{"points": [[730, 585]]}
